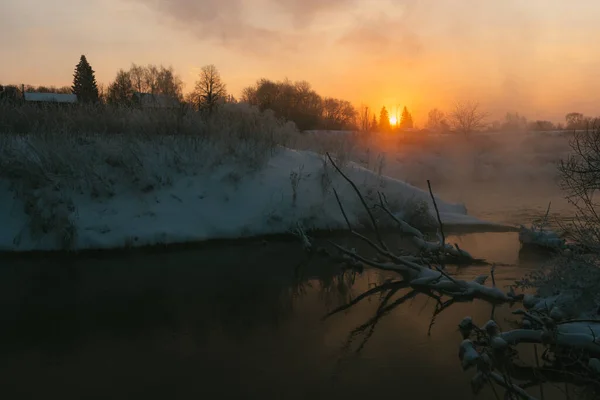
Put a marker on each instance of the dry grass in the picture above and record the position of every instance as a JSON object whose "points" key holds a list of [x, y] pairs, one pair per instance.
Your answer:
{"points": [[50, 154]]}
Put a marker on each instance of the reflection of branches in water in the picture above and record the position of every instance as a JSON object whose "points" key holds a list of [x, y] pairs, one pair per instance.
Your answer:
{"points": [[420, 273], [368, 328], [490, 352]]}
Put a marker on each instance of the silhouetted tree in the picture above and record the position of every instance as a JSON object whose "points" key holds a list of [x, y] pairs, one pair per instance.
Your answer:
{"points": [[384, 120], [576, 120], [294, 101], [136, 74], [363, 120], [209, 90], [374, 124], [514, 122], [121, 90], [436, 121], [156, 80], [406, 122], [10, 93], [168, 83], [541, 126], [466, 117], [49, 89], [84, 82], [337, 114]]}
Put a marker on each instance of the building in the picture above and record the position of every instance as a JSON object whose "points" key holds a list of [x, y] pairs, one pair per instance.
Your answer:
{"points": [[50, 98]]}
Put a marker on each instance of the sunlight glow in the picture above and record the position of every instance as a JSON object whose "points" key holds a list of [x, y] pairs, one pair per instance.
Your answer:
{"points": [[393, 121]]}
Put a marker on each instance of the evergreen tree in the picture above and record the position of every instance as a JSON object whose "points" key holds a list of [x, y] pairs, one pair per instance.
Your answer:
{"points": [[374, 124], [384, 120], [84, 82], [407, 121]]}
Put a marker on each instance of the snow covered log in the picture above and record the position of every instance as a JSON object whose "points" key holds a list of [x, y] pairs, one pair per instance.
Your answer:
{"points": [[541, 238]]}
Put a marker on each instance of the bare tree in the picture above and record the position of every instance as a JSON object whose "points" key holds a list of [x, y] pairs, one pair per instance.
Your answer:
{"points": [[337, 114], [294, 101], [580, 179], [136, 73], [575, 120], [156, 80], [364, 118], [209, 90], [467, 117], [541, 125], [436, 121], [121, 90], [514, 122]]}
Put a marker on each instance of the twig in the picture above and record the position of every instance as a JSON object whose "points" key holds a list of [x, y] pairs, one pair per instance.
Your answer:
{"points": [[362, 200], [379, 249], [437, 212], [510, 387], [381, 266], [545, 221], [375, 290], [537, 362]]}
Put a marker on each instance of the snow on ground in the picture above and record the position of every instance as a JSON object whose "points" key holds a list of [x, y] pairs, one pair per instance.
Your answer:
{"points": [[223, 203]]}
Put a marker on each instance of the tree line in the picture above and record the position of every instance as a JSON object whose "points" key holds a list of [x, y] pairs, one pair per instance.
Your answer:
{"points": [[467, 117], [293, 101]]}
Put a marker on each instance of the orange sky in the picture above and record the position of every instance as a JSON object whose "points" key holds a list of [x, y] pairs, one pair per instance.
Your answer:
{"points": [[537, 57]]}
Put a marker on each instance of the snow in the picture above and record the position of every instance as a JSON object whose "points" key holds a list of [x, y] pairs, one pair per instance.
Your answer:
{"points": [[223, 203], [468, 354], [543, 238]]}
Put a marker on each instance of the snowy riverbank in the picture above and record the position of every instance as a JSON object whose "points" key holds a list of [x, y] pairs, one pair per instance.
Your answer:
{"points": [[225, 202]]}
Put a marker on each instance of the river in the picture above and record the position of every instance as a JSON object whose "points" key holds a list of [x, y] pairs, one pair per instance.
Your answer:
{"points": [[226, 321]]}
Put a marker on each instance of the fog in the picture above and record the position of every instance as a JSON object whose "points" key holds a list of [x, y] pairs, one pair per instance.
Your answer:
{"points": [[508, 177]]}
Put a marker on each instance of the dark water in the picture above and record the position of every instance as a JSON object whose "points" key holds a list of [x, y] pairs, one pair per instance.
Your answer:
{"points": [[238, 321]]}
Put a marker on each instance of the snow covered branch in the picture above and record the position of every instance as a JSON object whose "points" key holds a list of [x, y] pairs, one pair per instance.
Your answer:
{"points": [[421, 273]]}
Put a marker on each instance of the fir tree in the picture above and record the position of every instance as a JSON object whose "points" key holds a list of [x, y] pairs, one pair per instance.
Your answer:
{"points": [[407, 121], [84, 82], [384, 120], [374, 124]]}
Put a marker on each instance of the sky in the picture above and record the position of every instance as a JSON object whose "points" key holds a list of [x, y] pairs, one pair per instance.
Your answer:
{"points": [[535, 57]]}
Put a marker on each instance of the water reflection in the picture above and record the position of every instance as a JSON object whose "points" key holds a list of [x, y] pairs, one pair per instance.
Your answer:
{"points": [[243, 321]]}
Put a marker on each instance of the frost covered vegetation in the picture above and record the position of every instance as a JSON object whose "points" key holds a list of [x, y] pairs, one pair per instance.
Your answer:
{"points": [[49, 153], [87, 174]]}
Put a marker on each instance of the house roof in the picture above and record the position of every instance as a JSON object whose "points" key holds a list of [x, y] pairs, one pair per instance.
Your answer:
{"points": [[50, 97]]}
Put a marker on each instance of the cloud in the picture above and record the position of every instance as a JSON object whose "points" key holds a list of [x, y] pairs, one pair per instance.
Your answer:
{"points": [[380, 36], [304, 12], [246, 26]]}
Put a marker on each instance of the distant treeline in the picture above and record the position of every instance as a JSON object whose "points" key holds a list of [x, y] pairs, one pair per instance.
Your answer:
{"points": [[292, 101], [298, 102]]}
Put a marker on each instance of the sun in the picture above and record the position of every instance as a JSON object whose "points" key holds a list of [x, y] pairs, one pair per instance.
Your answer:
{"points": [[393, 120]]}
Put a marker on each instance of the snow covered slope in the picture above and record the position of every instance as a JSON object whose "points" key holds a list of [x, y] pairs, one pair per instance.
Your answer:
{"points": [[225, 202]]}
